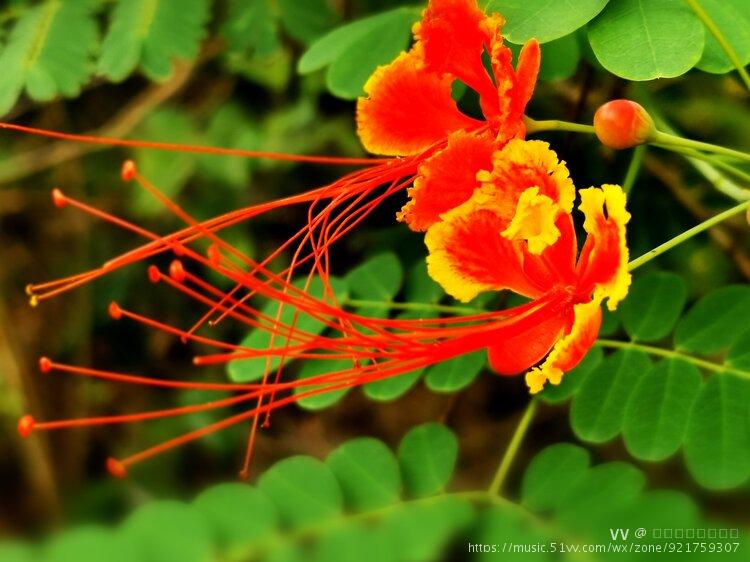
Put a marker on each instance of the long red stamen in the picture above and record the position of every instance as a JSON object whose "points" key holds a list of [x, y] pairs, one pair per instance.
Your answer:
{"points": [[197, 149]]}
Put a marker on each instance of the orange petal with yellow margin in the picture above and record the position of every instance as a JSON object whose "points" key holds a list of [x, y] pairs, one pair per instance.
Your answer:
{"points": [[408, 109], [571, 348], [447, 179], [603, 264], [467, 254]]}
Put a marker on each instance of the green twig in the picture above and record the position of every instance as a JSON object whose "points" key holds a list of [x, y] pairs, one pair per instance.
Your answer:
{"points": [[533, 126], [672, 354], [701, 163], [717, 162], [512, 450], [634, 168], [720, 39], [680, 238], [669, 141]]}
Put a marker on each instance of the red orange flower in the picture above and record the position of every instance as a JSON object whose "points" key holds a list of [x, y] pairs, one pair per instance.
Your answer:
{"points": [[409, 108], [516, 232]]}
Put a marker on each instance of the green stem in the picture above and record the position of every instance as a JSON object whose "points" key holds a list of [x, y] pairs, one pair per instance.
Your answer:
{"points": [[512, 450], [422, 306], [680, 238], [722, 183], [634, 168], [668, 141], [717, 162], [658, 138], [720, 39], [672, 354], [533, 126]]}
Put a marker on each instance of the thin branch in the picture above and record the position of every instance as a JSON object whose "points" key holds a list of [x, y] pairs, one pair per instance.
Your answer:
{"points": [[57, 152], [510, 453], [672, 354]]}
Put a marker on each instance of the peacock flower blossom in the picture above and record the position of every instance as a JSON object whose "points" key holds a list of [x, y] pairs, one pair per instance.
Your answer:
{"points": [[516, 232], [409, 108], [496, 209]]}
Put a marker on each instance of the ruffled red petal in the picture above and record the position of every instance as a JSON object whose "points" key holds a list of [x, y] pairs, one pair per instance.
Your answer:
{"points": [[453, 36], [408, 109], [556, 265], [468, 255], [447, 179], [519, 353]]}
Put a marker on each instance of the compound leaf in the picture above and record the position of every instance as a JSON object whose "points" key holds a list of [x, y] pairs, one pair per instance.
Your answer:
{"points": [[149, 34], [48, 52]]}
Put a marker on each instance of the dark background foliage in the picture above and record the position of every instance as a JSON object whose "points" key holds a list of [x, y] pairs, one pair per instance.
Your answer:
{"points": [[225, 73]]}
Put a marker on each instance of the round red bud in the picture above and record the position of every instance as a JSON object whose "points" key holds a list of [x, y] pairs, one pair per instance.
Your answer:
{"points": [[623, 124]]}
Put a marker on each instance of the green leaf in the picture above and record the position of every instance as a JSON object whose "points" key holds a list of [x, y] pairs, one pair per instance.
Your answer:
{"points": [[149, 34], [347, 75], [251, 25], [390, 388], [336, 44], [739, 354], [393, 387], [244, 370], [711, 324], [653, 306], [313, 368], [560, 58], [368, 472], [657, 412], [646, 39], [352, 541], [657, 509], [168, 530], [732, 17], [88, 544], [717, 440], [237, 513], [17, 552], [423, 532], [544, 20], [598, 408], [355, 50], [601, 490], [455, 374], [48, 52], [303, 489], [420, 287], [428, 456], [550, 475], [571, 382], [377, 279], [499, 521], [308, 20]]}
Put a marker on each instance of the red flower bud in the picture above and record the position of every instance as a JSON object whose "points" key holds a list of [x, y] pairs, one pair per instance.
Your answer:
{"points": [[623, 123]]}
